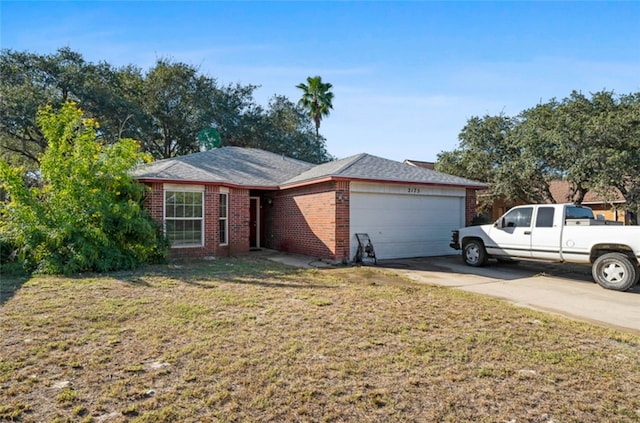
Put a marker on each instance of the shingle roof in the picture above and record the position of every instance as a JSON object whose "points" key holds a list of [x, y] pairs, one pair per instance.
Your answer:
{"points": [[258, 168], [367, 167], [233, 165]]}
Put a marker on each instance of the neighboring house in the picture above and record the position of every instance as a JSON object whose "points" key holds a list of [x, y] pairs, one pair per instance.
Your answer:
{"points": [[560, 191], [230, 200], [418, 163], [609, 208]]}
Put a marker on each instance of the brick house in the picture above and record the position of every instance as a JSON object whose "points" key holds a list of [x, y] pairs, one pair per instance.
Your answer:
{"points": [[231, 200]]}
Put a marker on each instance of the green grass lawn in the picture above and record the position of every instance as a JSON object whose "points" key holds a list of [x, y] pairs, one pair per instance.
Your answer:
{"points": [[249, 340]]}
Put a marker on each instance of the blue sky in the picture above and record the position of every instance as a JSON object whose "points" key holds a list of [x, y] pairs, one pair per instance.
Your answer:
{"points": [[407, 75]]}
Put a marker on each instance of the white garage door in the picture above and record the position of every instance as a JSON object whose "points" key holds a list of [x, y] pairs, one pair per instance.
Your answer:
{"points": [[411, 224]]}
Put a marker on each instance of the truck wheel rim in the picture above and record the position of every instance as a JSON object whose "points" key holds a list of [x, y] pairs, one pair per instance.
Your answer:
{"points": [[613, 272], [472, 254]]}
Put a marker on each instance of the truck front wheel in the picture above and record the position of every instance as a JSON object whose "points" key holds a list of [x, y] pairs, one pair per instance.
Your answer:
{"points": [[474, 254], [614, 271]]}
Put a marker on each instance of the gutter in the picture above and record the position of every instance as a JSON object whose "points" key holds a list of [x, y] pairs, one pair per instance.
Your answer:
{"points": [[200, 182], [394, 181]]}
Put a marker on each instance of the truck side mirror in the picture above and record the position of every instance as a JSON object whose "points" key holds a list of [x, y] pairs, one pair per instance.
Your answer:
{"points": [[499, 223]]}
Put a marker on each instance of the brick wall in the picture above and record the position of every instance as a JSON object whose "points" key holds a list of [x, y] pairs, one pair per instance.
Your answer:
{"points": [[238, 221], [470, 206], [342, 221], [211, 214], [154, 202], [312, 220]]}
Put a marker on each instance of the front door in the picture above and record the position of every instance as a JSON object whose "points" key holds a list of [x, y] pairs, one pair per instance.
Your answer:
{"points": [[254, 222]]}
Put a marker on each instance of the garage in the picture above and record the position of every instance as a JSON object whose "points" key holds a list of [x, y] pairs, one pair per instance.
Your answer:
{"points": [[405, 220]]}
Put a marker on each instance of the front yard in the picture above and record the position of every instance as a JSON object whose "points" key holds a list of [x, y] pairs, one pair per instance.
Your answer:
{"points": [[249, 340]]}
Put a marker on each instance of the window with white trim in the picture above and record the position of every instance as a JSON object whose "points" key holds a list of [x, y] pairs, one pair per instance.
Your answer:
{"points": [[224, 220], [183, 217]]}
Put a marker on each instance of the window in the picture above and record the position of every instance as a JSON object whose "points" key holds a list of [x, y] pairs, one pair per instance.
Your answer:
{"points": [[183, 222], [518, 218], [577, 212], [545, 217], [224, 222]]}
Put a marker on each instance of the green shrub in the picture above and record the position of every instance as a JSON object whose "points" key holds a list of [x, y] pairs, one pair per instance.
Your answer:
{"points": [[87, 214]]}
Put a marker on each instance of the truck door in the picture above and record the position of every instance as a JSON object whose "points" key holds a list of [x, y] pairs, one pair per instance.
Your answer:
{"points": [[545, 236], [512, 235]]}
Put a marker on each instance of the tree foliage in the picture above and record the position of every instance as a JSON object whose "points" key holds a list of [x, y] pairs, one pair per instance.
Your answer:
{"points": [[87, 214], [591, 142], [166, 108], [287, 124], [489, 153], [29, 82], [177, 100]]}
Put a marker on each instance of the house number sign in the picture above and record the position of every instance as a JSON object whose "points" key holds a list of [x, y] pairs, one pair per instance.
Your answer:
{"points": [[413, 190]]}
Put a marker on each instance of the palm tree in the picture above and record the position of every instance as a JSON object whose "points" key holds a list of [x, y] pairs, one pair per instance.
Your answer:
{"points": [[316, 98]]}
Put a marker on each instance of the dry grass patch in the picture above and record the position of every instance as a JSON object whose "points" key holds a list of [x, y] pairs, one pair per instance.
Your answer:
{"points": [[251, 340]]}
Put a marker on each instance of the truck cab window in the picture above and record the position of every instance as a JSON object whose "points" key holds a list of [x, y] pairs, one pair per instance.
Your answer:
{"points": [[518, 218], [575, 212], [545, 217]]}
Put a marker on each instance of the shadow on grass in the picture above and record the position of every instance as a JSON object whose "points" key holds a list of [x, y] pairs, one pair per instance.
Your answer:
{"points": [[10, 284], [136, 281], [205, 274], [279, 284], [247, 271]]}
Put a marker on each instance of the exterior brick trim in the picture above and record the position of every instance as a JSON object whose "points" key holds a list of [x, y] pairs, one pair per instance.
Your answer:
{"points": [[238, 219], [311, 220]]}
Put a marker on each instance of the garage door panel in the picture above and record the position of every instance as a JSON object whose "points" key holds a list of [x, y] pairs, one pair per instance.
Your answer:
{"points": [[405, 225]]}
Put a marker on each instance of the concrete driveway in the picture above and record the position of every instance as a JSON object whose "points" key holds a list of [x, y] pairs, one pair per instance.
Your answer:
{"points": [[567, 290]]}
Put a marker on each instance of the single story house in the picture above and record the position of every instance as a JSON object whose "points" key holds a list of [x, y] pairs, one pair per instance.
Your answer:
{"points": [[231, 200]]}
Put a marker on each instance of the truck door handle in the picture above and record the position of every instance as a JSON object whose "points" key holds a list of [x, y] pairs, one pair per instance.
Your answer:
{"points": [[527, 232]]}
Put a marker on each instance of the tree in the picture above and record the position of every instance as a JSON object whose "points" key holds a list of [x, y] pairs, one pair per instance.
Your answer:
{"points": [[574, 140], [316, 98], [87, 215], [178, 101], [291, 132], [30, 81], [283, 128], [489, 152], [166, 107], [22, 91], [590, 142], [237, 117]]}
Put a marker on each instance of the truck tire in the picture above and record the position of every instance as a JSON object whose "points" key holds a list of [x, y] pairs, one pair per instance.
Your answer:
{"points": [[615, 271], [474, 254]]}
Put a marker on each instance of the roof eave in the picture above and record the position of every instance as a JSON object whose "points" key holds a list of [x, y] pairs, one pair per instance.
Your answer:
{"points": [[394, 181], [344, 178], [200, 182], [311, 182]]}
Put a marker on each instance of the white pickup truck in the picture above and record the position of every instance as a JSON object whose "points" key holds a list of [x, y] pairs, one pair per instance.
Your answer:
{"points": [[557, 233]]}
